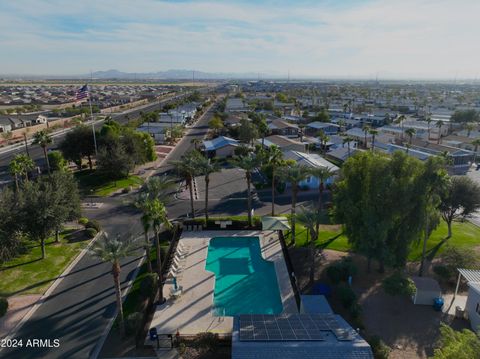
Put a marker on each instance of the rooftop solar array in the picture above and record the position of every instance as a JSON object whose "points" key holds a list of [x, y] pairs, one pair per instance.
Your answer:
{"points": [[291, 327]]}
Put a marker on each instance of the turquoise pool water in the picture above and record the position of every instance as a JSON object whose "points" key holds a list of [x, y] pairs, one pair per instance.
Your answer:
{"points": [[245, 283]]}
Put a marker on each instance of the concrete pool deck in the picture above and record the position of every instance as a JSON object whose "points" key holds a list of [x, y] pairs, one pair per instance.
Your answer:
{"points": [[191, 313]]}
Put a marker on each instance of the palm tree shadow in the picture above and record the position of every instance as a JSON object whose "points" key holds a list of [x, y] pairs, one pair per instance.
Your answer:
{"points": [[432, 252], [19, 264], [329, 241]]}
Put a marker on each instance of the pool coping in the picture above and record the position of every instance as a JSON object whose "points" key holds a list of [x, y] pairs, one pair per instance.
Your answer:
{"points": [[200, 283]]}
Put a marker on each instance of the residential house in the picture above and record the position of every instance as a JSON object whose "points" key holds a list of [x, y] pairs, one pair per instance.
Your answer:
{"points": [[157, 130], [236, 105], [220, 147], [5, 124], [284, 143], [311, 160], [328, 128], [283, 128]]}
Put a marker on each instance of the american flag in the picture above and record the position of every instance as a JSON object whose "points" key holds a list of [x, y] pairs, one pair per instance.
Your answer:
{"points": [[82, 93]]}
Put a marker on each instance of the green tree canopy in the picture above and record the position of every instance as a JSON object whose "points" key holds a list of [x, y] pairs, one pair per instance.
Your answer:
{"points": [[465, 116], [454, 344], [78, 144]]}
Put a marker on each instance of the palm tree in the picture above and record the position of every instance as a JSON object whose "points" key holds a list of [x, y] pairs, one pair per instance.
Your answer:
{"points": [[186, 168], [196, 142], [113, 250], [410, 132], [157, 187], [294, 174], [159, 217], [323, 174], [42, 139], [373, 132], [206, 167], [476, 143], [439, 124], [470, 127], [20, 166], [399, 121], [366, 129], [342, 125], [143, 204], [429, 121], [311, 219], [247, 163], [323, 141], [347, 140], [274, 158]]}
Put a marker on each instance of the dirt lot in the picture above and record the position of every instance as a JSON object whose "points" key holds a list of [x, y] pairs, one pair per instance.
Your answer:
{"points": [[410, 330]]}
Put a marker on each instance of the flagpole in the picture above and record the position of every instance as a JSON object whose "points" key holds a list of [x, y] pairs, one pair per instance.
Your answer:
{"points": [[93, 122]]}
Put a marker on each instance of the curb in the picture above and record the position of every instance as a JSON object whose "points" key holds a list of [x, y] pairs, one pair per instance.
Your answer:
{"points": [[50, 289], [98, 347]]}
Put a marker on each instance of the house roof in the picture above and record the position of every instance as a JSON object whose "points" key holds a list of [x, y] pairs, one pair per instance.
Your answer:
{"points": [[219, 142], [333, 343], [426, 284], [310, 160], [358, 132], [471, 275], [341, 153], [319, 125], [315, 304], [279, 124], [280, 141]]}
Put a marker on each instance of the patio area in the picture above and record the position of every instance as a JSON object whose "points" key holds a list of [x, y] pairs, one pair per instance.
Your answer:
{"points": [[192, 311]]}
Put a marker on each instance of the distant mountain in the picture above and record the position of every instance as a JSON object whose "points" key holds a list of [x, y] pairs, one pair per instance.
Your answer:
{"points": [[171, 75]]}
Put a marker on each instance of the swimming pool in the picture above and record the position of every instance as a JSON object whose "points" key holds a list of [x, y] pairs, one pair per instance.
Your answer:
{"points": [[245, 283]]}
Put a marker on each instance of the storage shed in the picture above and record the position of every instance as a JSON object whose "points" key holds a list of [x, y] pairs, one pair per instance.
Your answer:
{"points": [[427, 289]]}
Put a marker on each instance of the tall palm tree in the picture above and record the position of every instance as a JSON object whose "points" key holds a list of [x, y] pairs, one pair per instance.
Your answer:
{"points": [[373, 132], [476, 143], [20, 166], [206, 167], [410, 132], [366, 129], [429, 121], [294, 174], [439, 124], [274, 159], [143, 204], [186, 168], [347, 140], [399, 121], [311, 219], [342, 125], [470, 127], [159, 217], [323, 174], [43, 139], [323, 141], [113, 250], [157, 187], [247, 163], [196, 142]]}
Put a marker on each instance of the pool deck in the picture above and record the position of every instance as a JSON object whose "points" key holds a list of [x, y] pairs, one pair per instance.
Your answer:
{"points": [[191, 313]]}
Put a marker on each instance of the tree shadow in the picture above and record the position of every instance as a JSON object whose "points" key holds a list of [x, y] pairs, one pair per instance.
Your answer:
{"points": [[329, 241]]}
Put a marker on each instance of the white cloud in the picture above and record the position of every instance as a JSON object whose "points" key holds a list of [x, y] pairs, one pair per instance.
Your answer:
{"points": [[407, 38]]}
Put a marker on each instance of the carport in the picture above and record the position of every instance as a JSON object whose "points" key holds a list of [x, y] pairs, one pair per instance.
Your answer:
{"points": [[470, 275], [427, 289]]}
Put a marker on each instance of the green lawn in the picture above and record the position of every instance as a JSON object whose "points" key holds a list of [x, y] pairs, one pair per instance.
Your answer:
{"points": [[464, 235], [91, 183], [29, 274]]}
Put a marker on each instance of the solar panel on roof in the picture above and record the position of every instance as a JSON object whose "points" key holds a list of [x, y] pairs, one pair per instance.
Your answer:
{"points": [[291, 327]]}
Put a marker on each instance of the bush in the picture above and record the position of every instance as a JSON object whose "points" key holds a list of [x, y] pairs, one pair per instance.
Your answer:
{"points": [[454, 258], [207, 340], [148, 285], [340, 271], [94, 224], [398, 284], [133, 323], [90, 232], [347, 296], [355, 310], [83, 221], [444, 272], [379, 348], [3, 306]]}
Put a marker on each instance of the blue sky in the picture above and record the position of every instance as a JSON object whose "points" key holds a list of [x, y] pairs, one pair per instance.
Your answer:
{"points": [[394, 39]]}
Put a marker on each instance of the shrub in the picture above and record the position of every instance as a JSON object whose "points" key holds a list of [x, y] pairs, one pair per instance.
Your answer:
{"points": [[133, 323], [355, 310], [3, 306], [94, 224], [340, 271], [148, 285], [90, 232], [454, 258], [207, 340], [83, 221], [398, 284], [444, 272], [379, 348], [347, 296]]}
